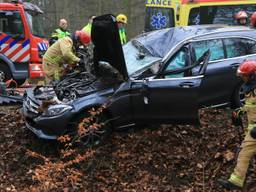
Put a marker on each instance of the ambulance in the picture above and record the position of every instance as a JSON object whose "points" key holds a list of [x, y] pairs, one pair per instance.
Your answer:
{"points": [[170, 13]]}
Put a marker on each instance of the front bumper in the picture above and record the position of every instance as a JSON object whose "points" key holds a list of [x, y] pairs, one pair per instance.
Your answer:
{"points": [[40, 133], [47, 127]]}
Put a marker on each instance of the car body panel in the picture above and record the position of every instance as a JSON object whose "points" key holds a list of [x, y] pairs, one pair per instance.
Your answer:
{"points": [[223, 70], [155, 97], [166, 100]]}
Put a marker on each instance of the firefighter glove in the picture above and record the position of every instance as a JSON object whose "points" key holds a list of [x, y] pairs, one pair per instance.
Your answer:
{"points": [[237, 116]]}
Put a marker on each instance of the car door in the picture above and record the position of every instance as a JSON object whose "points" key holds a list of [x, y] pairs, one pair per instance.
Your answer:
{"points": [[220, 77], [170, 97]]}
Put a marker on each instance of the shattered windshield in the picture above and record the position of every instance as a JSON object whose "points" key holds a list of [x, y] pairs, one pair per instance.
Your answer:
{"points": [[136, 58], [35, 23]]}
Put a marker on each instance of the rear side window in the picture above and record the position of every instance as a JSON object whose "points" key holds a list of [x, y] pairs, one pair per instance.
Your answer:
{"points": [[239, 47], [215, 46], [11, 23], [218, 14]]}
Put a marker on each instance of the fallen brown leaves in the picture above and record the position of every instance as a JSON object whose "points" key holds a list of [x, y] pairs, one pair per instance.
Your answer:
{"points": [[57, 174], [155, 158]]}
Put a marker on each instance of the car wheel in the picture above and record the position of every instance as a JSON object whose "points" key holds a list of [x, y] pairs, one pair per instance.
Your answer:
{"points": [[238, 97], [88, 134], [5, 73]]}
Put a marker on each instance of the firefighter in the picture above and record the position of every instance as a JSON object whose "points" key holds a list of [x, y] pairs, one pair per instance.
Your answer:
{"points": [[88, 27], [247, 71], [122, 21], [63, 52], [241, 18], [61, 32], [253, 20]]}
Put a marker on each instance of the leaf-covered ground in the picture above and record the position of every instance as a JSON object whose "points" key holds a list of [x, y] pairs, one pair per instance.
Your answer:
{"points": [[154, 158]]}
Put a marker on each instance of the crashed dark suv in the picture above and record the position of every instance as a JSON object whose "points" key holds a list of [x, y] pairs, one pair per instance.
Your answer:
{"points": [[159, 77]]}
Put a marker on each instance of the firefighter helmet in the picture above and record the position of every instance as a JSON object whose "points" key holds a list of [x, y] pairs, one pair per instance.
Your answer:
{"points": [[253, 20], [247, 68], [241, 15], [121, 18], [83, 37]]}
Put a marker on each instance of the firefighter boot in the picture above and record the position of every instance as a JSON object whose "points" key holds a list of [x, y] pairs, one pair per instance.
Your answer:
{"points": [[228, 185]]}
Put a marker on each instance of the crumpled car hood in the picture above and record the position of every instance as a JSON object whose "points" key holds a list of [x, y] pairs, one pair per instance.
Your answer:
{"points": [[72, 87]]}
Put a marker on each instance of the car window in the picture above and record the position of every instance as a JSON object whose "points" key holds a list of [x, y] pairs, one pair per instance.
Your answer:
{"points": [[250, 46], [218, 14], [215, 46], [177, 62], [234, 48], [239, 47]]}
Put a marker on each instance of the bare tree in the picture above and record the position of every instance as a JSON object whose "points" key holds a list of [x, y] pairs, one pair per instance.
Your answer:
{"points": [[78, 11]]}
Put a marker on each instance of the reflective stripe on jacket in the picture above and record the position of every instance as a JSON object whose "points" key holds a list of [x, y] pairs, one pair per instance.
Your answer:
{"points": [[122, 35], [58, 33]]}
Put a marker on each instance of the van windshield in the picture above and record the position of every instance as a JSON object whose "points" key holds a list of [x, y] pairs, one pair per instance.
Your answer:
{"points": [[218, 14], [159, 18], [35, 23]]}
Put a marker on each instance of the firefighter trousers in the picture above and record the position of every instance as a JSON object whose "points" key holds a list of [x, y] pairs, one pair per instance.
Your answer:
{"points": [[248, 150], [52, 71]]}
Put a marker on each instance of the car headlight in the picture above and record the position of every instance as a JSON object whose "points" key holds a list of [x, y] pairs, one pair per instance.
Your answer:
{"points": [[56, 110]]}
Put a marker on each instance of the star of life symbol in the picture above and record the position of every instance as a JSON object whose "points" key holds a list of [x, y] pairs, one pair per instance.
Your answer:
{"points": [[197, 20], [159, 21]]}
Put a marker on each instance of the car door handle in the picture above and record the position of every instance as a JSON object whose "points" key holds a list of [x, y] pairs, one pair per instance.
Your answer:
{"points": [[187, 84], [235, 65]]}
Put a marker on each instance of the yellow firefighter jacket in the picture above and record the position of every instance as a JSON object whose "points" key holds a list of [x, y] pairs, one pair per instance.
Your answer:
{"points": [[250, 108], [61, 52]]}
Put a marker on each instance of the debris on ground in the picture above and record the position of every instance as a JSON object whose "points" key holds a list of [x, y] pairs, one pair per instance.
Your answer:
{"points": [[152, 158], [10, 93], [11, 100]]}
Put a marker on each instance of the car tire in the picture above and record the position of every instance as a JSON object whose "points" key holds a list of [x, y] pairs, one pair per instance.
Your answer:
{"points": [[94, 137], [6, 72], [238, 99]]}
